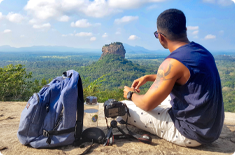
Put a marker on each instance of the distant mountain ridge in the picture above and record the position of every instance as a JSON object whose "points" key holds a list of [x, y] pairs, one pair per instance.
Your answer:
{"points": [[137, 50], [129, 49], [7, 48]]}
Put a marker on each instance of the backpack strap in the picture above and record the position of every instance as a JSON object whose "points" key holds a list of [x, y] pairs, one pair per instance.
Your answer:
{"points": [[80, 113], [48, 134]]}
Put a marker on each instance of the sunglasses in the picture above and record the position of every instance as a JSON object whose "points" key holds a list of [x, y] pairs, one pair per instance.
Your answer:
{"points": [[156, 34]]}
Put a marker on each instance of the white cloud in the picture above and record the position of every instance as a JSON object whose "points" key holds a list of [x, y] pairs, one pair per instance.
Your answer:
{"points": [[97, 24], [7, 31], [14, 17], [1, 16], [98, 8], [64, 35], [64, 18], [93, 39], [84, 34], [22, 36], [210, 36], [130, 4], [45, 9], [118, 32], [33, 21], [192, 27], [221, 31], [42, 9], [1, 1], [47, 25], [152, 7], [195, 32], [126, 19], [81, 23], [225, 2], [220, 2], [105, 35], [209, 1], [133, 37]]}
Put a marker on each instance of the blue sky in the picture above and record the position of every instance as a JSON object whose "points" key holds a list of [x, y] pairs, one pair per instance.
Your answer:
{"points": [[91, 24]]}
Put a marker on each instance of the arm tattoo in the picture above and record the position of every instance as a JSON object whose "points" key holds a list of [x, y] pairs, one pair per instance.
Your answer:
{"points": [[163, 71]]}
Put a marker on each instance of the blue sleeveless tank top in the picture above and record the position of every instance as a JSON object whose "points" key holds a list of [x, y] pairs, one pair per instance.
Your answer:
{"points": [[197, 106]]}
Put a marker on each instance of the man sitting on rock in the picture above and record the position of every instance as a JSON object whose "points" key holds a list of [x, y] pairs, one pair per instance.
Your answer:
{"points": [[184, 105]]}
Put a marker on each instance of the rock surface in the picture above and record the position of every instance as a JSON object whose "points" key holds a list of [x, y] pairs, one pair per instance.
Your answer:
{"points": [[114, 48], [9, 144]]}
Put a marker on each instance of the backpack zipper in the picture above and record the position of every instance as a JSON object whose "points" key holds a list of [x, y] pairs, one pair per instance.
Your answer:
{"points": [[60, 118]]}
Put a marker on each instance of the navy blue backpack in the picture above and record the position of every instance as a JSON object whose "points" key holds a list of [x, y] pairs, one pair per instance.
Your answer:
{"points": [[54, 116]]}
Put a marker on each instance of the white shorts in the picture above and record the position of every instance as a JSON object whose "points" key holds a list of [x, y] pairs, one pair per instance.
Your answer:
{"points": [[158, 122]]}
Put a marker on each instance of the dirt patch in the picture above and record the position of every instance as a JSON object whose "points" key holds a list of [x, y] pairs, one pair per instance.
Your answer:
{"points": [[9, 144]]}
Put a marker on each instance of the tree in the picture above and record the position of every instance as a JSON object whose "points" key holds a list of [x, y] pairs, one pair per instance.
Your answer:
{"points": [[14, 83]]}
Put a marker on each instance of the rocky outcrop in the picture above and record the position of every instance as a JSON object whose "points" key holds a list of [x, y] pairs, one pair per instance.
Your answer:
{"points": [[116, 48]]}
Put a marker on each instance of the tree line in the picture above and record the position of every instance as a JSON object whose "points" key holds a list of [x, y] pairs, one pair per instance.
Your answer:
{"points": [[103, 78]]}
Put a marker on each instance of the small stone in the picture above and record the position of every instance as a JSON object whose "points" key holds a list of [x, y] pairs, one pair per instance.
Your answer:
{"points": [[232, 140], [3, 148]]}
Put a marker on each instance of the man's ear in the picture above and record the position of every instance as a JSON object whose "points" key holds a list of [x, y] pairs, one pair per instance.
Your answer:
{"points": [[161, 38], [163, 41]]}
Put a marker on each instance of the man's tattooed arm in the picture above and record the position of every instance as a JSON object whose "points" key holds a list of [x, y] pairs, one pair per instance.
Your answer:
{"points": [[163, 71]]}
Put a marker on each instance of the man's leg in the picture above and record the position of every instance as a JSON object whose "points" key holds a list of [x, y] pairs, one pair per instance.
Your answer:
{"points": [[158, 122]]}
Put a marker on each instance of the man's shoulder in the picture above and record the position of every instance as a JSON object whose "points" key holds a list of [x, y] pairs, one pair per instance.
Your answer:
{"points": [[173, 61], [178, 68], [197, 47]]}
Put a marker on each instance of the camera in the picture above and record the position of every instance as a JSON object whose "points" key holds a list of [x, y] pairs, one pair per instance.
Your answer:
{"points": [[113, 108]]}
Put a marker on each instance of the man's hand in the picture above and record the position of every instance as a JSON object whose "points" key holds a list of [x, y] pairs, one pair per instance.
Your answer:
{"points": [[138, 82], [126, 90]]}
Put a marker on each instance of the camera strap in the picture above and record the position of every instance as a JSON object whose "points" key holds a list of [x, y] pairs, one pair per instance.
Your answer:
{"points": [[107, 123], [94, 135], [88, 149]]}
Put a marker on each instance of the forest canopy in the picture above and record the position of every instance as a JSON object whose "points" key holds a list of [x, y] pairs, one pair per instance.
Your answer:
{"points": [[22, 74]]}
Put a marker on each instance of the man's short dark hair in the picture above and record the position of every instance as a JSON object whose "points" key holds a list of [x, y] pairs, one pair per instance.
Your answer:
{"points": [[172, 23]]}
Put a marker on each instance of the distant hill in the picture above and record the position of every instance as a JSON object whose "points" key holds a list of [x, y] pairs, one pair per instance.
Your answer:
{"points": [[7, 48], [117, 70], [129, 49], [141, 50]]}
